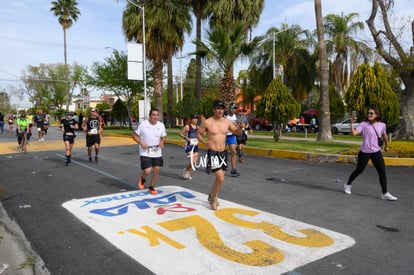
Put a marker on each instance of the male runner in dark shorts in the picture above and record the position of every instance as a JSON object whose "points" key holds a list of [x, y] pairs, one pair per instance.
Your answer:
{"points": [[216, 128], [92, 126]]}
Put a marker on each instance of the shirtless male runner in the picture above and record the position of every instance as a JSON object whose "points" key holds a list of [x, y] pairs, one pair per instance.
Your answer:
{"points": [[216, 128]]}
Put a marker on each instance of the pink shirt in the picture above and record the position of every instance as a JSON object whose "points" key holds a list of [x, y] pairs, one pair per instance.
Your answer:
{"points": [[369, 137]]}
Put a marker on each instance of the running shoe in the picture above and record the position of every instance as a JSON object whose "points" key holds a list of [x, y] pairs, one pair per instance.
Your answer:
{"points": [[234, 173], [347, 189], [387, 196], [241, 160], [186, 174], [213, 201], [152, 190], [141, 183]]}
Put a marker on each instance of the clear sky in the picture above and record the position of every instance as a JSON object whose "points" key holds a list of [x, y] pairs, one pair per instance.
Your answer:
{"points": [[30, 34]]}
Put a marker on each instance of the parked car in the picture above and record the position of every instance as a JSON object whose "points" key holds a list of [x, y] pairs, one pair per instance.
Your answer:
{"points": [[260, 123], [343, 127]]}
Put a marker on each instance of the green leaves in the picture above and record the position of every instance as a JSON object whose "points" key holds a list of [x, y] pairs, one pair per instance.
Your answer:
{"points": [[369, 89], [277, 103]]}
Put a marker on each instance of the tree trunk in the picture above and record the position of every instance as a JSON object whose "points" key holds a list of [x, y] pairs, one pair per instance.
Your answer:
{"points": [[170, 93], [405, 128], [66, 70], [228, 88], [157, 75], [398, 58], [324, 133], [198, 63]]}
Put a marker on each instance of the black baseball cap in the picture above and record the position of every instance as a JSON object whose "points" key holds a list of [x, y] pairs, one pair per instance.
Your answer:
{"points": [[219, 104]]}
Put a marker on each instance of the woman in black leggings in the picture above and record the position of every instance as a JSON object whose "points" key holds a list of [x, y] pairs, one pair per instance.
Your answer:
{"points": [[371, 131]]}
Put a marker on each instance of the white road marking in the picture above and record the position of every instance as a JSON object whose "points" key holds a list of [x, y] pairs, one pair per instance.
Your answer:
{"points": [[99, 171], [176, 232]]}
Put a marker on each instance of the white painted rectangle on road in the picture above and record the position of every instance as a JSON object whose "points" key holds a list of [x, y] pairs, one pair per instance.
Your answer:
{"points": [[176, 232]]}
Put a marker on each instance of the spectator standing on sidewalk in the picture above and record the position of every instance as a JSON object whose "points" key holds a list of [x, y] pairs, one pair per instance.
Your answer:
{"points": [[371, 131], [150, 135], [68, 125], [1, 122], [92, 126], [189, 134], [216, 128], [231, 140]]}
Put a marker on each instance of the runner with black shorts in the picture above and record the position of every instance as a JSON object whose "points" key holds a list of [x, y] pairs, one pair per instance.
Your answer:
{"points": [[92, 126], [68, 126]]}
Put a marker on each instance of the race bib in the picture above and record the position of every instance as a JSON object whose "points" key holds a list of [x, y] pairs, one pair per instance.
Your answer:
{"points": [[94, 131], [153, 151], [39, 129], [193, 141]]}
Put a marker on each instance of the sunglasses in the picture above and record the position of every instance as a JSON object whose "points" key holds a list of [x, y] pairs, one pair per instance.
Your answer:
{"points": [[370, 113]]}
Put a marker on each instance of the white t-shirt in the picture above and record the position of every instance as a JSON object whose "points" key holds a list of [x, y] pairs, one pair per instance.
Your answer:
{"points": [[233, 119], [151, 135]]}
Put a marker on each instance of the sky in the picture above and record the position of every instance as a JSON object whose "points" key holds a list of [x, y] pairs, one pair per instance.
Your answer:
{"points": [[31, 35]]}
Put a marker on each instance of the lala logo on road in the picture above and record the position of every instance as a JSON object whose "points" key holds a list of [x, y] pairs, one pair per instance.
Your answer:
{"points": [[176, 232]]}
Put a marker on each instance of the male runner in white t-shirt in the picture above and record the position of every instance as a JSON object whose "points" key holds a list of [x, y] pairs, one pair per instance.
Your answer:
{"points": [[150, 135]]}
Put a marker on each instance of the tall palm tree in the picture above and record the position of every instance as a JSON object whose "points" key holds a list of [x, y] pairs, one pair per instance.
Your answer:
{"points": [[225, 47], [200, 13], [232, 20], [67, 12], [227, 12], [340, 43], [166, 23], [288, 46], [324, 133]]}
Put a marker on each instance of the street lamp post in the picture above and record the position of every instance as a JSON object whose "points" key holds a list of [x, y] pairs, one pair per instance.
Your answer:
{"points": [[144, 71], [274, 48]]}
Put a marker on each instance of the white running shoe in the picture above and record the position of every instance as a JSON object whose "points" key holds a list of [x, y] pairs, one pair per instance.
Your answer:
{"points": [[387, 196], [347, 189], [186, 175]]}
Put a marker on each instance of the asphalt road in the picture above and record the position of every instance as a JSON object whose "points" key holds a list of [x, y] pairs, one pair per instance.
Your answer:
{"points": [[36, 184]]}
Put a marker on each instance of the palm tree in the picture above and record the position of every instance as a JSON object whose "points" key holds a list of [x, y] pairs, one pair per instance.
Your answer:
{"points": [[339, 30], [289, 47], [227, 12], [324, 133], [166, 23], [200, 13], [225, 47], [66, 11]]}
